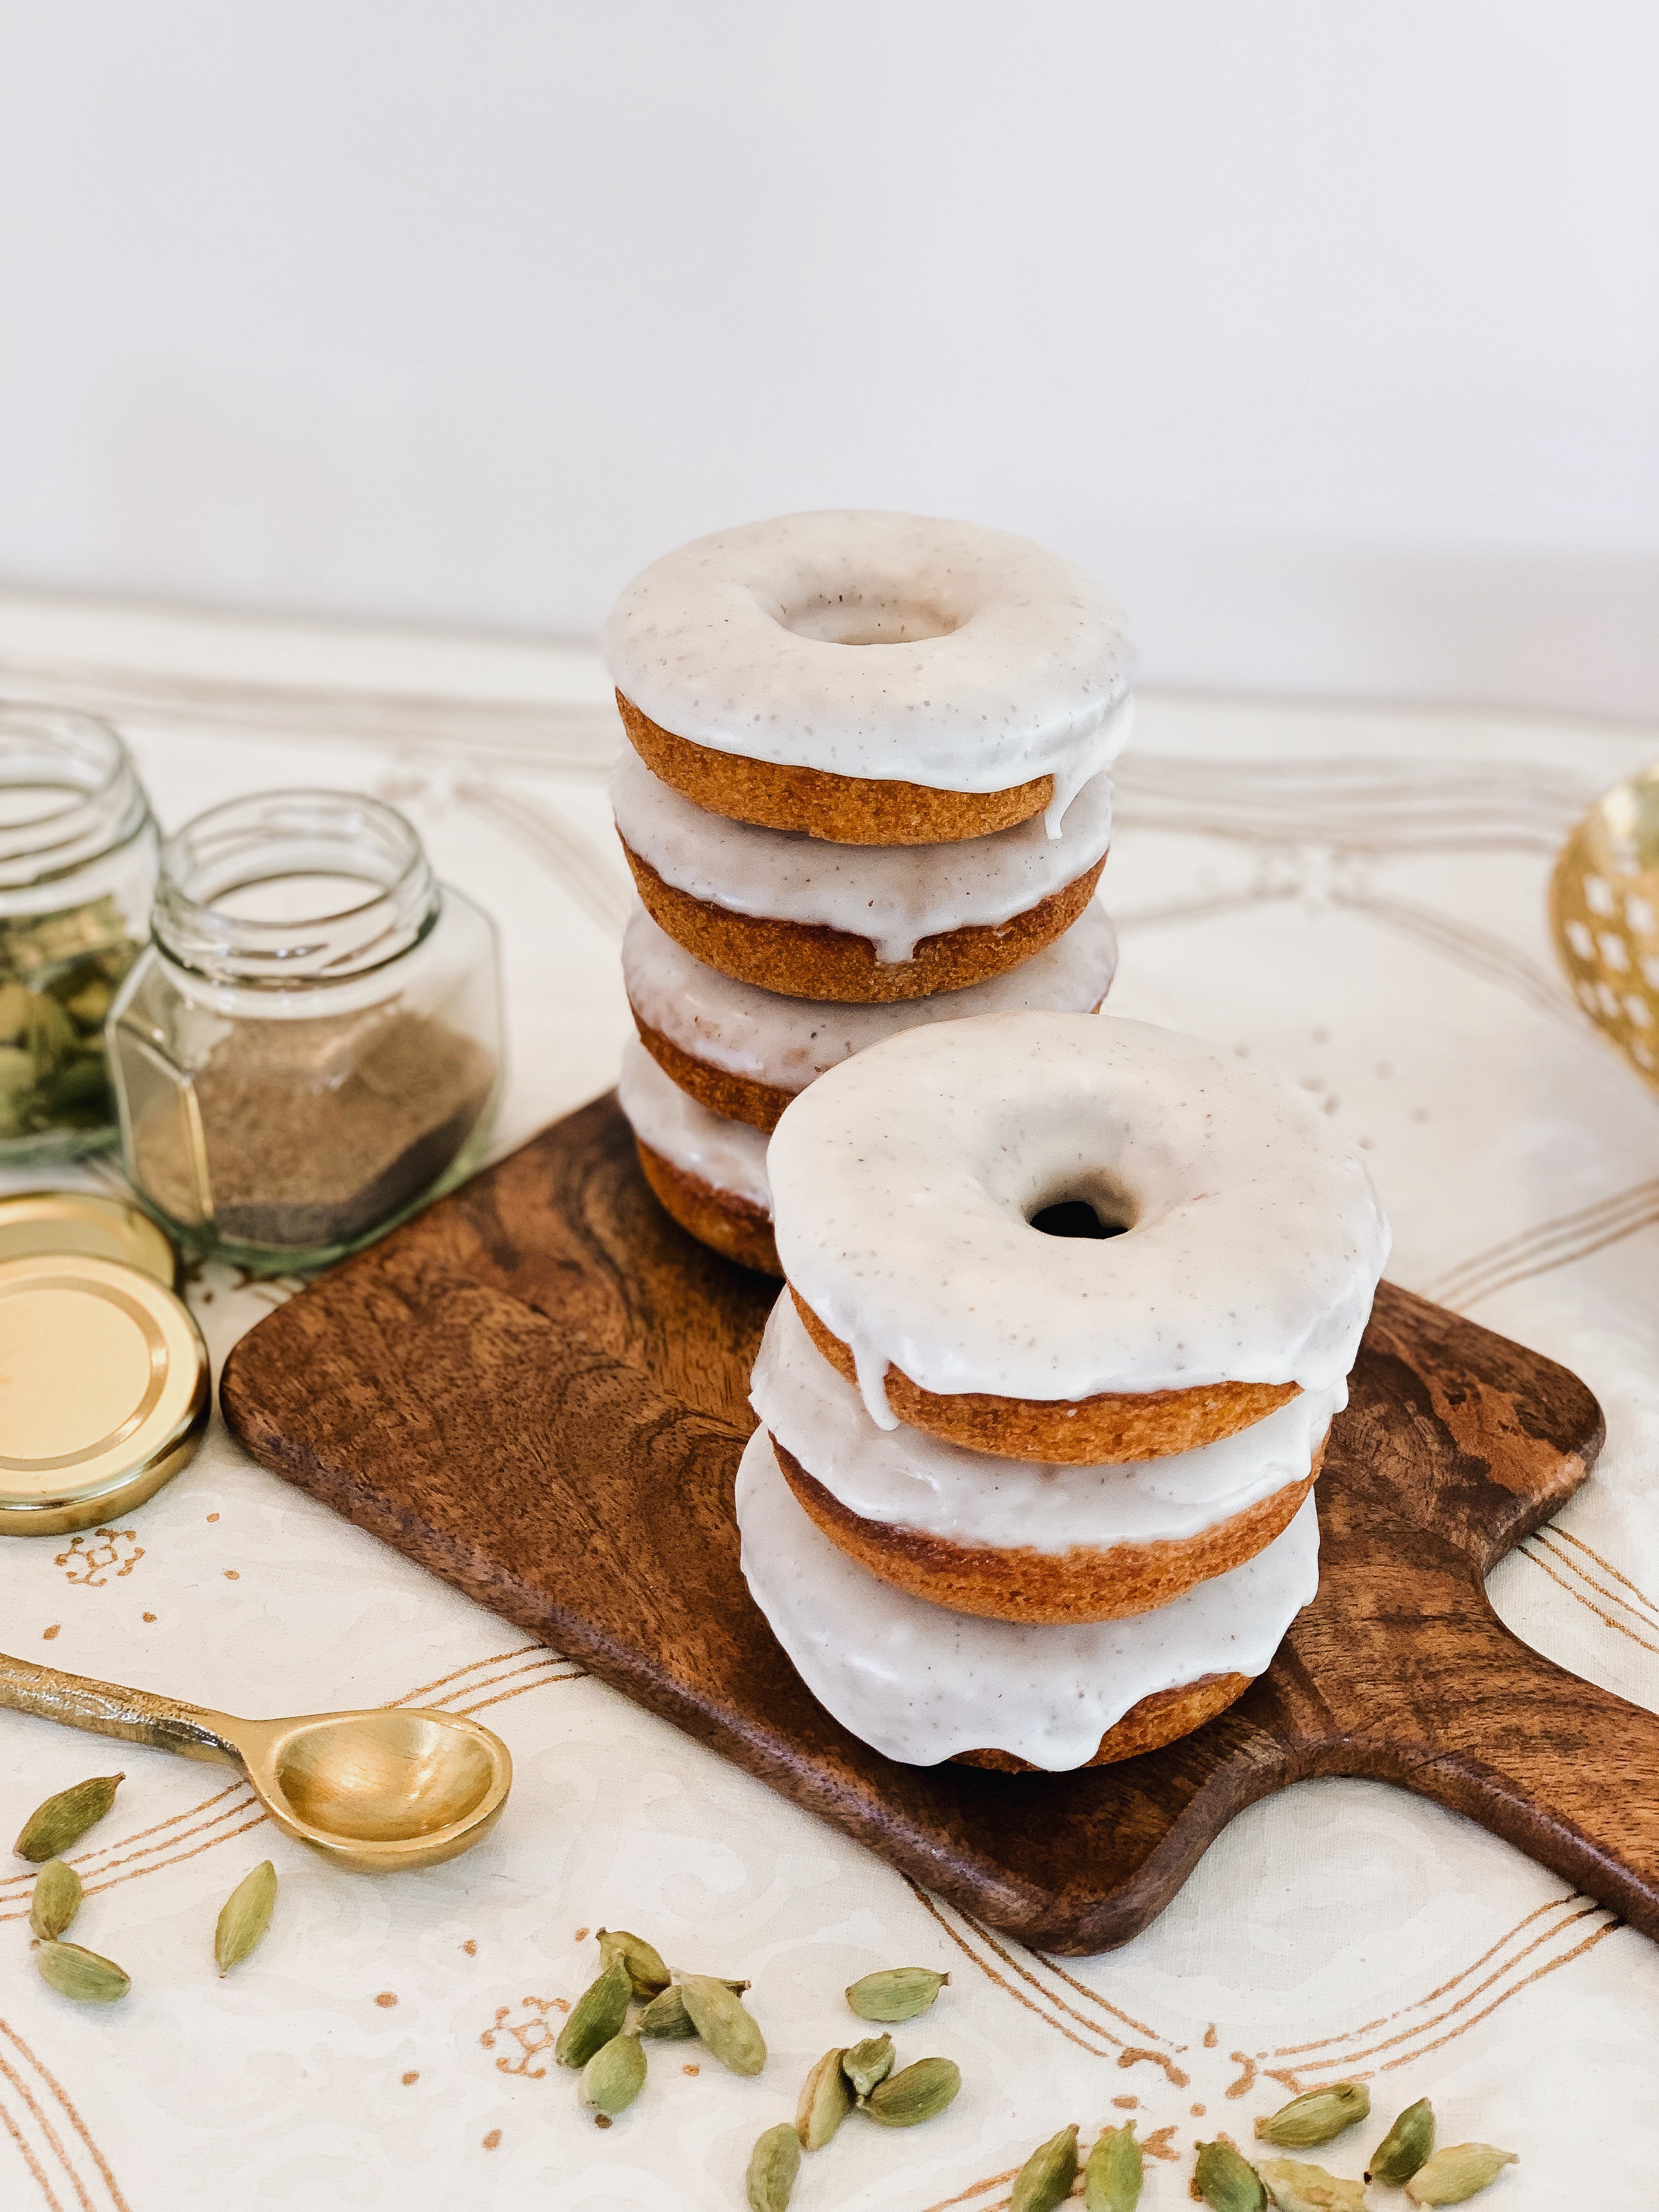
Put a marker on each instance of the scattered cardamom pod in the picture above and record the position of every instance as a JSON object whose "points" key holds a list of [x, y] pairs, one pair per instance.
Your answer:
{"points": [[1299, 2188], [667, 2018], [646, 1970], [81, 1974], [51, 1828], [731, 2034], [596, 2016], [614, 2075], [915, 2094], [1046, 2177], [900, 1993], [1318, 2117], [245, 1917], [1458, 2172], [56, 1901], [868, 2063], [773, 2164], [1226, 2181], [825, 2101], [1404, 2147], [1112, 2178]]}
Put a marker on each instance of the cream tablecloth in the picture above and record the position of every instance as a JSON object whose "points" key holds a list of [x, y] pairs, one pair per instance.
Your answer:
{"points": [[1351, 897]]}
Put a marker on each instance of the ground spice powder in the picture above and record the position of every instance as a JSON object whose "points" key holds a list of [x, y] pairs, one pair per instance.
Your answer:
{"points": [[312, 1132]]}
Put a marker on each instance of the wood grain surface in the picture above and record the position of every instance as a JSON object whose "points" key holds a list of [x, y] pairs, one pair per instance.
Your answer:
{"points": [[537, 1390]]}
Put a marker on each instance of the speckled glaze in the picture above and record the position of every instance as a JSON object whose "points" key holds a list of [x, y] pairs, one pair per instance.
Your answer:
{"points": [[728, 1156], [903, 1184], [894, 895], [895, 646], [788, 1042], [912, 1480], [920, 1684]]}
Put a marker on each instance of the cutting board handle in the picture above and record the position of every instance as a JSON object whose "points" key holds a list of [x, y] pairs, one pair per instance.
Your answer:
{"points": [[1559, 1766]]}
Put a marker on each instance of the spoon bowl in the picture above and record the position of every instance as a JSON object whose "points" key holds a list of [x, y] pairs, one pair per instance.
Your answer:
{"points": [[379, 1790], [370, 1788]]}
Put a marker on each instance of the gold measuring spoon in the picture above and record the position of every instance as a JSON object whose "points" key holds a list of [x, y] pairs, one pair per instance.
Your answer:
{"points": [[376, 1792]]}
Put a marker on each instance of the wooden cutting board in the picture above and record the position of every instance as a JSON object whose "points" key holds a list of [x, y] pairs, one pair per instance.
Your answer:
{"points": [[537, 1389]]}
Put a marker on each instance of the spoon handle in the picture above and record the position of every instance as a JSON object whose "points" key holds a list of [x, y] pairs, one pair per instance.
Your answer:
{"points": [[105, 1708]]}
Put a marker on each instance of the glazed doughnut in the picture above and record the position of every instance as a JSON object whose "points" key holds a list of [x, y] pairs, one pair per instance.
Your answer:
{"points": [[745, 1053], [905, 1183], [871, 678], [708, 1172], [1011, 1540], [814, 920], [920, 1684]]}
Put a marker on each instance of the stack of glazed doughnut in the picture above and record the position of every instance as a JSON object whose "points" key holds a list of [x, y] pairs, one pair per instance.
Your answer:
{"points": [[1071, 1304], [867, 790]]}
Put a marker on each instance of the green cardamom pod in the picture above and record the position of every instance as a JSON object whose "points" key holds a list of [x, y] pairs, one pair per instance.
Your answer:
{"points": [[900, 1993], [646, 1970], [667, 2018], [245, 1917], [1404, 2147], [1460, 2171], [1046, 2177], [868, 2063], [1226, 2181], [56, 1901], [614, 2075], [1112, 2178], [1317, 2117], [825, 2101], [1299, 2188], [596, 2016], [81, 1974], [51, 1828], [916, 2094], [731, 2034], [773, 2164]]}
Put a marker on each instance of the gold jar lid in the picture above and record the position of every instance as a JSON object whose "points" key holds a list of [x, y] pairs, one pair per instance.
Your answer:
{"points": [[33, 1221], [103, 1390]]}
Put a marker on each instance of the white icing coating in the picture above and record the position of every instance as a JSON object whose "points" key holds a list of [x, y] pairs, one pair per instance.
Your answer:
{"points": [[895, 646], [920, 1684], [728, 1155], [903, 1184], [894, 895], [914, 1480], [787, 1042]]}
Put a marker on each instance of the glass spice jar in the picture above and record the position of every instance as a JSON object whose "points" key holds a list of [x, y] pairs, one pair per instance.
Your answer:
{"points": [[77, 867], [312, 1046]]}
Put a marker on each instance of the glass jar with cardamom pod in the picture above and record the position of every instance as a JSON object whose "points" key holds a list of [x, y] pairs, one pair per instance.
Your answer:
{"points": [[310, 1048], [77, 868]]}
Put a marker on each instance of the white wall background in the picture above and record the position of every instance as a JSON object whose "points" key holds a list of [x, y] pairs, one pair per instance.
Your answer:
{"points": [[1329, 334]]}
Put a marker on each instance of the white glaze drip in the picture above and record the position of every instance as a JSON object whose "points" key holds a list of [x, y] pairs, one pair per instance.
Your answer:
{"points": [[787, 1042], [895, 646], [912, 1480], [894, 895], [903, 1184], [728, 1155], [920, 1684]]}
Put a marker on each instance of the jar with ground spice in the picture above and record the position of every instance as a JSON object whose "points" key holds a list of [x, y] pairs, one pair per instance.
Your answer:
{"points": [[77, 867], [311, 1047]]}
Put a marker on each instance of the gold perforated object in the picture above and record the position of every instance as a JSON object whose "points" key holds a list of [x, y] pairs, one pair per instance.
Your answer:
{"points": [[1604, 907]]}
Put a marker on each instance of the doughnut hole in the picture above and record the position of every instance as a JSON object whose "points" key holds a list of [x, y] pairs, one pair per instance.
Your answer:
{"points": [[873, 614], [1074, 1216]]}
